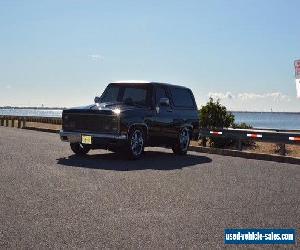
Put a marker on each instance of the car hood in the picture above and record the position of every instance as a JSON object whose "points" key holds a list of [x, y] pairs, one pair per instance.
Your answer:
{"points": [[102, 108]]}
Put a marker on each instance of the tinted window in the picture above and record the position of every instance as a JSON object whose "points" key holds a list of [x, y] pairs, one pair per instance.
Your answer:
{"points": [[135, 96], [182, 97], [110, 95], [130, 95], [160, 93]]}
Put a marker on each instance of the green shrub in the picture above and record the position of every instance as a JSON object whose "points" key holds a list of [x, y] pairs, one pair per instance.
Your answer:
{"points": [[215, 116], [242, 125]]}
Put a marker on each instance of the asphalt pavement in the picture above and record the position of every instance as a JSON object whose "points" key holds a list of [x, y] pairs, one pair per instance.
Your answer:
{"points": [[50, 198]]}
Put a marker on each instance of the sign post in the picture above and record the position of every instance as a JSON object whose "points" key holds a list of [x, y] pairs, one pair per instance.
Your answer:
{"points": [[297, 76]]}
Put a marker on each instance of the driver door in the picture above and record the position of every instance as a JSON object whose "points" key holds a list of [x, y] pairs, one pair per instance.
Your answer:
{"points": [[164, 116]]}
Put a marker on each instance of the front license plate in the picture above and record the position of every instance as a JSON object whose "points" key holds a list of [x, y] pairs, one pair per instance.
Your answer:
{"points": [[86, 139]]}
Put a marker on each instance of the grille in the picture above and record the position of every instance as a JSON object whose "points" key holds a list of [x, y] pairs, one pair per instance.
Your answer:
{"points": [[90, 123]]}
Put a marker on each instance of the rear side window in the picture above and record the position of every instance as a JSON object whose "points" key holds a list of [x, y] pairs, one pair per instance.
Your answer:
{"points": [[182, 98]]}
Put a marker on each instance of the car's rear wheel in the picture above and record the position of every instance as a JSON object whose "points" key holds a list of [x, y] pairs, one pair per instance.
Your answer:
{"points": [[136, 143], [183, 141], [79, 148]]}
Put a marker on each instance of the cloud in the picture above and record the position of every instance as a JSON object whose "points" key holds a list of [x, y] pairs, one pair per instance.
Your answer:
{"points": [[8, 86], [220, 95], [275, 96], [96, 57]]}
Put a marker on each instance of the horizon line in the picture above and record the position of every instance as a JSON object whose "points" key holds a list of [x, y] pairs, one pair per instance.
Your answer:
{"points": [[62, 108]]}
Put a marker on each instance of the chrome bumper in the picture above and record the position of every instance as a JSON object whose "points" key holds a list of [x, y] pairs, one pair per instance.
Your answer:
{"points": [[76, 136]]}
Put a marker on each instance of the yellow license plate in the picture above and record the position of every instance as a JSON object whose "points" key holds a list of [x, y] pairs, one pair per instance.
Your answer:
{"points": [[86, 139]]}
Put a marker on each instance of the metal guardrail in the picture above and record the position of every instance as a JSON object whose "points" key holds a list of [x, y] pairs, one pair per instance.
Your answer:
{"points": [[280, 137], [20, 121]]}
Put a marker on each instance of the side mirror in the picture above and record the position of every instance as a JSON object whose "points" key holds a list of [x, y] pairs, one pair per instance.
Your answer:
{"points": [[164, 102], [97, 99]]}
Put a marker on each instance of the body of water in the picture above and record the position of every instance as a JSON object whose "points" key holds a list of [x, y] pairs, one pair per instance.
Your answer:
{"points": [[32, 112], [275, 120]]}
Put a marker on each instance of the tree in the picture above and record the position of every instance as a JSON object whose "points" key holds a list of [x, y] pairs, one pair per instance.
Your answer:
{"points": [[215, 116]]}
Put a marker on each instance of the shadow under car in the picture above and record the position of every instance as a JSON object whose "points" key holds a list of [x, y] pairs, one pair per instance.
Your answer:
{"points": [[155, 160]]}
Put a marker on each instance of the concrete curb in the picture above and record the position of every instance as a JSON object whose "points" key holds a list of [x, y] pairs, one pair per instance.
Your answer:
{"points": [[247, 155]]}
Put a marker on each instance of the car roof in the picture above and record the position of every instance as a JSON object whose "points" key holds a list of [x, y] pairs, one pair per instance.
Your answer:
{"points": [[153, 83]]}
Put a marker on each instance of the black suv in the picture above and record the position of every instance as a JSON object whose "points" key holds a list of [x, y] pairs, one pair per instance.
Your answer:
{"points": [[131, 115]]}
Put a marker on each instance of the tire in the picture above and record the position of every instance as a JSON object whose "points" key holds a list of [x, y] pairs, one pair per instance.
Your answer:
{"points": [[135, 144], [79, 149], [183, 142]]}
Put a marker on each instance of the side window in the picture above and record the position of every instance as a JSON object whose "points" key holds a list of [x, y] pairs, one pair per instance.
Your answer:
{"points": [[182, 98], [135, 95], [110, 94], [160, 93]]}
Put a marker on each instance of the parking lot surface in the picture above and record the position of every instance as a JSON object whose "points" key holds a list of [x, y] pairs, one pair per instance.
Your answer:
{"points": [[50, 198]]}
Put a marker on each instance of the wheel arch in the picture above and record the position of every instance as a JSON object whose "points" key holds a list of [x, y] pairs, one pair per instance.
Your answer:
{"points": [[190, 127], [142, 126]]}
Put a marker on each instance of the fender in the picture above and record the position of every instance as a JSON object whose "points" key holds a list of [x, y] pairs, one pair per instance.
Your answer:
{"points": [[187, 125], [140, 124]]}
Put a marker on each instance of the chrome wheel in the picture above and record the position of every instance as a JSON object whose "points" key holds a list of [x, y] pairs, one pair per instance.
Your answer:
{"points": [[184, 139], [137, 143]]}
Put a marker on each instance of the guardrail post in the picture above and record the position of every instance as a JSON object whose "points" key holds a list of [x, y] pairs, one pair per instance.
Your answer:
{"points": [[6, 122], [282, 149], [2, 121], [13, 122], [24, 123], [19, 123]]}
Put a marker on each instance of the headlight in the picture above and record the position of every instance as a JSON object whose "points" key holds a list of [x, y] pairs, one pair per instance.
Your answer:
{"points": [[117, 111]]}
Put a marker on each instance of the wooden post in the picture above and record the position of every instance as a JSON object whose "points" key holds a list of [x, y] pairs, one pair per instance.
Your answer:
{"points": [[2, 121], [13, 122], [282, 149], [24, 123], [6, 122], [19, 123]]}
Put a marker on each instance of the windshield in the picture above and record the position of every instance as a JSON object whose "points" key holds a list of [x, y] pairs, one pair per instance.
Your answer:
{"points": [[130, 95]]}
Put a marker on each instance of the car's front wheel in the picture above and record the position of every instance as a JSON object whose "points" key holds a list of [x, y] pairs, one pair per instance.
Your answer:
{"points": [[79, 148], [183, 142], [136, 144]]}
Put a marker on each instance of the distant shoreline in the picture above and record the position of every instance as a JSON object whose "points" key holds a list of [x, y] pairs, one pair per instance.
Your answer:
{"points": [[265, 112], [38, 108], [62, 108]]}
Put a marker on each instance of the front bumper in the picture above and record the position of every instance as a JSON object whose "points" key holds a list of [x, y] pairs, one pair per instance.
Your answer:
{"points": [[98, 139]]}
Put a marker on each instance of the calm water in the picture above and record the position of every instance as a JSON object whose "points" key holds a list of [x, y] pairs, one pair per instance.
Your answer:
{"points": [[269, 119], [32, 112], [256, 119]]}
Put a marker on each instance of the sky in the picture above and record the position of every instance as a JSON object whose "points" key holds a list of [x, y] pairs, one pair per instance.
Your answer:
{"points": [[63, 53]]}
